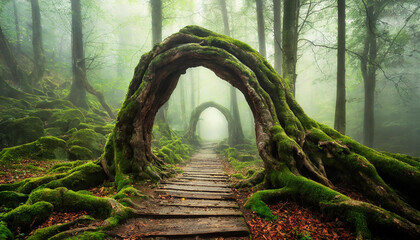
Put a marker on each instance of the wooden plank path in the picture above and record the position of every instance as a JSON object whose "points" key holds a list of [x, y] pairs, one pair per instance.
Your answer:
{"points": [[196, 204]]}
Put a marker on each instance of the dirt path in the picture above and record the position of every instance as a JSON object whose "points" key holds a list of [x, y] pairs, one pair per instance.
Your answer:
{"points": [[196, 204]]}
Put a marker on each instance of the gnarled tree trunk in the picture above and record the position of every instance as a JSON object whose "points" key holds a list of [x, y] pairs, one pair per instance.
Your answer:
{"points": [[303, 159]]}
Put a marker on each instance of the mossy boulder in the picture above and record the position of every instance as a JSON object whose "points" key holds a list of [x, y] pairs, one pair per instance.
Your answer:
{"points": [[43, 148], [89, 139], [6, 103], [54, 104], [81, 177], [80, 153], [12, 199], [28, 216], [64, 200], [104, 130], [231, 152], [19, 131], [43, 114], [66, 119]]}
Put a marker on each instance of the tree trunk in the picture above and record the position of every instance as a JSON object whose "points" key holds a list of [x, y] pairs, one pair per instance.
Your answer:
{"points": [[239, 135], [17, 27], [289, 41], [39, 56], [278, 55], [19, 77], [368, 68], [78, 91], [182, 103], [261, 28], [340, 104]]}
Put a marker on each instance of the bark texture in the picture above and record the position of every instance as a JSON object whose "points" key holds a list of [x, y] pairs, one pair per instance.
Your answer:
{"points": [[234, 132], [303, 159], [278, 55], [340, 104], [261, 27], [289, 42], [39, 56]]}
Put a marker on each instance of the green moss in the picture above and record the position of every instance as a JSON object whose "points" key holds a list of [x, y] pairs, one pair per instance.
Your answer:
{"points": [[119, 217], [245, 158], [231, 152], [128, 191], [27, 216], [46, 233], [81, 153], [89, 236], [43, 148], [20, 131], [104, 130], [5, 233], [54, 104], [238, 176], [43, 114], [81, 177], [89, 139], [63, 167], [11, 199], [65, 200], [66, 119]]}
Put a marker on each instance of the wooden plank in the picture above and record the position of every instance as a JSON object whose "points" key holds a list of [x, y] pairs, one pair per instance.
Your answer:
{"points": [[206, 176], [197, 195], [203, 179], [200, 203], [196, 183], [195, 188], [186, 211], [215, 226]]}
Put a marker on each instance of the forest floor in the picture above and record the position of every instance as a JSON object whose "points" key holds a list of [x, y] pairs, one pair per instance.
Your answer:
{"points": [[294, 220]]}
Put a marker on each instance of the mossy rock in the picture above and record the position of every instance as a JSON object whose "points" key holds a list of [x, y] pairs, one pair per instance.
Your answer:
{"points": [[80, 178], [12, 199], [43, 114], [28, 216], [89, 139], [54, 131], [20, 131], [90, 236], [64, 200], [104, 130], [43, 148], [6, 103], [59, 167], [54, 104], [66, 119], [231, 152], [245, 158], [80, 153], [85, 126], [94, 119]]}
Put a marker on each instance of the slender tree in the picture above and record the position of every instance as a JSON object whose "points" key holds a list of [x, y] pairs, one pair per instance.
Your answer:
{"points": [[17, 74], [182, 103], [17, 27], [289, 41], [261, 28], [340, 104], [39, 56], [278, 55], [78, 92], [233, 98]]}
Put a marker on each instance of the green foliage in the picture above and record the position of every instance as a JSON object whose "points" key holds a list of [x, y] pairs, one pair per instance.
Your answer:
{"points": [[43, 148], [5, 233], [90, 236]]}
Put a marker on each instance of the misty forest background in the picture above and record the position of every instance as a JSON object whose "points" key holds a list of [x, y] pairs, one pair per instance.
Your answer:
{"points": [[117, 33]]}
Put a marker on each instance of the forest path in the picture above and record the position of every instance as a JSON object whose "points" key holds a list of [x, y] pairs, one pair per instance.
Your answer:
{"points": [[196, 204]]}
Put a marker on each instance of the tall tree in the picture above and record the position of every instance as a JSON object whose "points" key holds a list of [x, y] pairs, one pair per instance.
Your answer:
{"points": [[17, 74], [80, 82], [17, 26], [182, 103], [340, 104], [78, 92], [278, 55], [233, 98], [261, 27], [289, 41], [39, 56]]}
